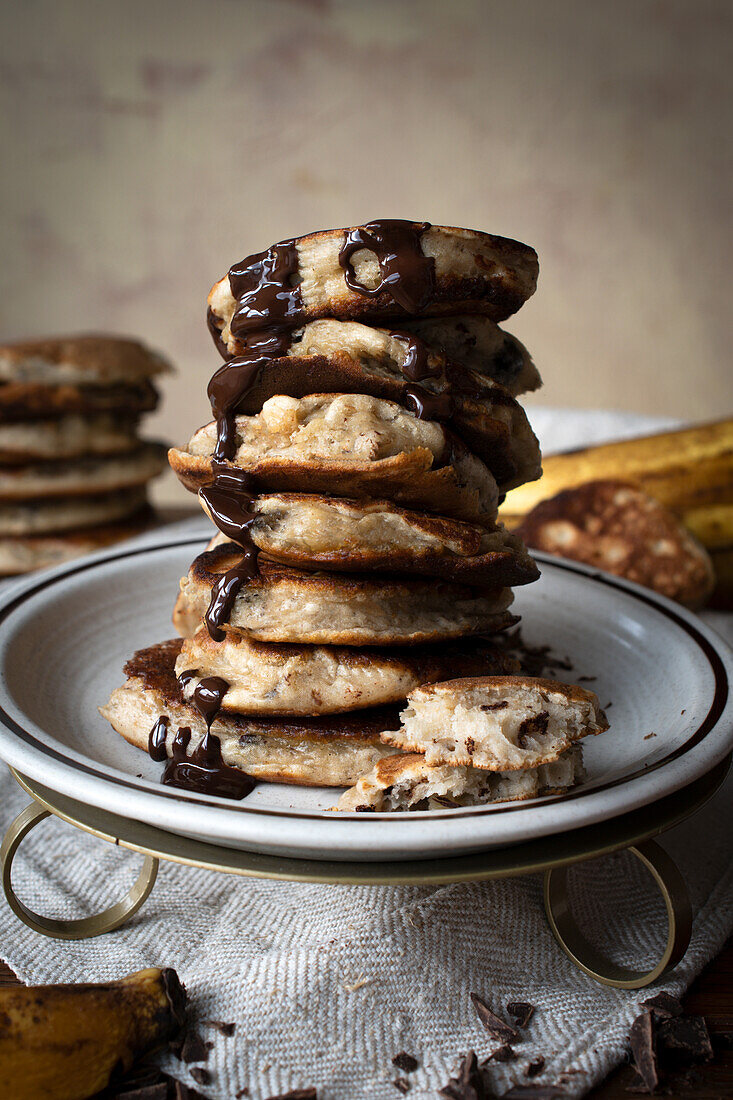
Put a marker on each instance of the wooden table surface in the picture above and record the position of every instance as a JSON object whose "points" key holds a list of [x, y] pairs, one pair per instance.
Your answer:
{"points": [[710, 996]]}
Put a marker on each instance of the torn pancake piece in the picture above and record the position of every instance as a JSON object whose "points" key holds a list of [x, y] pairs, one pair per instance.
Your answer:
{"points": [[407, 782], [309, 531], [348, 445], [332, 751], [281, 604], [264, 678], [500, 723]]}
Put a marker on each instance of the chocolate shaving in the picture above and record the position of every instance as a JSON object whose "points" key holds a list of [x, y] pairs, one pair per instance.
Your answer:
{"points": [[201, 1076], [226, 1029], [522, 1011], [496, 1027], [406, 1062], [194, 1049], [643, 1047], [663, 1005], [470, 1083], [504, 1053], [534, 1069], [534, 660], [402, 1085], [684, 1039]]}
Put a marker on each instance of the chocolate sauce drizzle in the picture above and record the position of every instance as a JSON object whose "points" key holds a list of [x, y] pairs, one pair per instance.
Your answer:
{"points": [[157, 739], [229, 501], [408, 275]]}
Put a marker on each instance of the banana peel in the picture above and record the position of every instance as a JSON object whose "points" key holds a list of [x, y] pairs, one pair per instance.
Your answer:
{"points": [[63, 1042], [690, 471]]}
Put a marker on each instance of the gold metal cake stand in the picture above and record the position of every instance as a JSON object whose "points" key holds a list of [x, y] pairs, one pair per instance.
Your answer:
{"points": [[553, 856]]}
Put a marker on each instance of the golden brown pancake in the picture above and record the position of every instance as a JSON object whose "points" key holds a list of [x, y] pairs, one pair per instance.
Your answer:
{"points": [[83, 476], [407, 782], [85, 360], [614, 526], [51, 515], [501, 723], [331, 752], [25, 553], [36, 400], [66, 437], [281, 604]]}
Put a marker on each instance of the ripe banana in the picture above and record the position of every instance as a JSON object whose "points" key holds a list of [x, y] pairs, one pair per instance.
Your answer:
{"points": [[691, 471], [62, 1042]]}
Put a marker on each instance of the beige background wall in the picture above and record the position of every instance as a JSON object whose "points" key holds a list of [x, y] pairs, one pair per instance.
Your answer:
{"points": [[148, 144]]}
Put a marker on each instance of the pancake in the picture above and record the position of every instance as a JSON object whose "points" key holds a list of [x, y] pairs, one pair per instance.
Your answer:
{"points": [[614, 526], [33, 400], [321, 752], [312, 680], [280, 604], [24, 554], [347, 357], [348, 445], [50, 515], [85, 360], [83, 476], [479, 344], [438, 270], [351, 536], [406, 782], [66, 437], [501, 723]]}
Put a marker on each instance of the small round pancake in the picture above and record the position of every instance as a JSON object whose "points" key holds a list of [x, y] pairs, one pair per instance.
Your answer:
{"points": [[85, 360], [407, 782], [318, 752], [83, 476], [349, 445], [355, 536], [318, 679], [480, 345], [47, 516], [501, 723], [33, 400], [280, 604], [24, 554], [471, 272], [617, 527], [347, 357], [66, 437]]}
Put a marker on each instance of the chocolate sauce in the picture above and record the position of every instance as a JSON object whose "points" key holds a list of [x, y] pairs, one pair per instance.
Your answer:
{"points": [[416, 365], [408, 275], [207, 698], [226, 590], [429, 406], [216, 333], [157, 739], [204, 770], [229, 502], [185, 678]]}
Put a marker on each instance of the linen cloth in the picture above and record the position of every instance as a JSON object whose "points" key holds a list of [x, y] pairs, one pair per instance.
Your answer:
{"points": [[327, 983]]}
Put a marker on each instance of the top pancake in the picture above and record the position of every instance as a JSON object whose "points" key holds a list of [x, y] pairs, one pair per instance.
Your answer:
{"points": [[84, 360], [473, 272]]}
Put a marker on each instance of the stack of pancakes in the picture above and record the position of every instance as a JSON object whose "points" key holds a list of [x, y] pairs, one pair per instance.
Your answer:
{"points": [[73, 471], [365, 429]]}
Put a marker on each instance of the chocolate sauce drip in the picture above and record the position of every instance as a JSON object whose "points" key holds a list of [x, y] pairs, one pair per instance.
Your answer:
{"points": [[204, 770], [229, 502], [226, 590], [429, 406], [416, 365], [185, 678], [408, 275], [157, 739], [207, 698], [216, 333]]}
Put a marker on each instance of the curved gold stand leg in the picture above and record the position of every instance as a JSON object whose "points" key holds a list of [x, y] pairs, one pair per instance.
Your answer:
{"points": [[588, 958], [85, 927]]}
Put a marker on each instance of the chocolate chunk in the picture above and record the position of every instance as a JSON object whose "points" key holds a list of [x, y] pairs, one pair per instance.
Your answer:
{"points": [[532, 727], [405, 1062], [496, 1027], [663, 1005], [201, 1076], [503, 1054], [402, 1085], [535, 1068], [296, 1094], [194, 1049], [470, 1082], [684, 1039], [643, 1047], [522, 1011], [494, 706], [224, 1028]]}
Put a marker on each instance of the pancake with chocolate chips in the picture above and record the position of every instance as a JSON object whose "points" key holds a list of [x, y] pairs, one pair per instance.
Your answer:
{"points": [[346, 445], [85, 361], [323, 752], [407, 782], [264, 678], [25, 553], [346, 357], [83, 476], [501, 723], [615, 526], [353, 536], [269, 602], [388, 268]]}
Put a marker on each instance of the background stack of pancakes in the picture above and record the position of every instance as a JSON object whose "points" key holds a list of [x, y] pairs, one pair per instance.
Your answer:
{"points": [[73, 472], [365, 429]]}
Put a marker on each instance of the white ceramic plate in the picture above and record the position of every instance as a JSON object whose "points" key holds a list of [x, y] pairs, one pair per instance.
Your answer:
{"points": [[65, 635]]}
